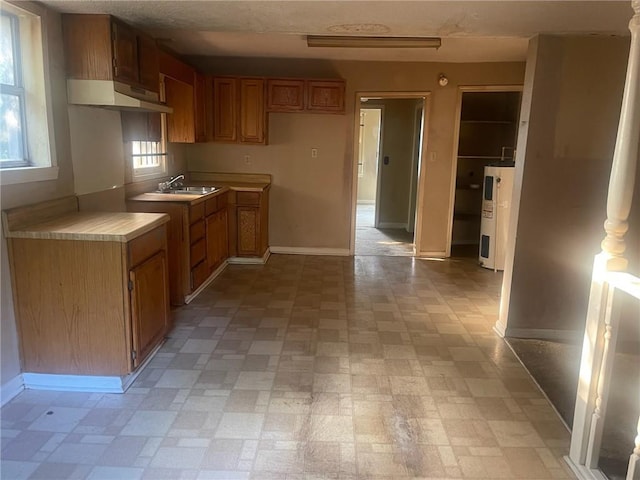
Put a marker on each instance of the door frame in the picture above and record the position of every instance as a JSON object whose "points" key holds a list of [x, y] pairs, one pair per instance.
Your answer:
{"points": [[426, 105], [416, 161], [376, 200], [456, 139]]}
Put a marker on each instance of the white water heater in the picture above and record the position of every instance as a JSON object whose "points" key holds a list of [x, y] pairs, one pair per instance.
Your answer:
{"points": [[496, 210]]}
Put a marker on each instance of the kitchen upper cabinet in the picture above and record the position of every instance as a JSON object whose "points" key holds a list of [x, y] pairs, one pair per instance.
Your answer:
{"points": [[300, 95], [224, 109], [101, 47], [141, 126], [203, 112], [180, 123], [325, 96], [252, 111], [239, 113], [285, 95]]}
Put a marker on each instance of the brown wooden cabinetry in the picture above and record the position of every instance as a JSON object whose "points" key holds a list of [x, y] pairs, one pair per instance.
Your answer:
{"points": [[285, 95], [101, 47], [325, 96], [203, 113], [239, 113], [197, 240], [250, 235], [87, 304], [180, 123]]}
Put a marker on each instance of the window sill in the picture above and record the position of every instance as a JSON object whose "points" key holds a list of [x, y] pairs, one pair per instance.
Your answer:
{"points": [[11, 176]]}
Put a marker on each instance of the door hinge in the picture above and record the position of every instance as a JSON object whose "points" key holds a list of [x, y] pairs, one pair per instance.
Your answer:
{"points": [[130, 285], [134, 355]]}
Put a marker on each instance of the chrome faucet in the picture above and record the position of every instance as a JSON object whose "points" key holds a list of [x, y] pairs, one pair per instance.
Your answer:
{"points": [[167, 185]]}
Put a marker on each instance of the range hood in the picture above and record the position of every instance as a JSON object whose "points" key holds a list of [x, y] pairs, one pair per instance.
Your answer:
{"points": [[113, 95]]}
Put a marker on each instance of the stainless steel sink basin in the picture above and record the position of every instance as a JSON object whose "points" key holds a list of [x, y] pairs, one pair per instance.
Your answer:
{"points": [[199, 190]]}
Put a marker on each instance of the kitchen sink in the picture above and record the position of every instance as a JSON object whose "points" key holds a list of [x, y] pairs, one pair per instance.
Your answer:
{"points": [[200, 190]]}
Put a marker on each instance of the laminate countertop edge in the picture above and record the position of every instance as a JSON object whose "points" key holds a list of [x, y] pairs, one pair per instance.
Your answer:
{"points": [[92, 226]]}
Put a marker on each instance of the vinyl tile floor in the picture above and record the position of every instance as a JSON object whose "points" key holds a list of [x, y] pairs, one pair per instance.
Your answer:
{"points": [[310, 368], [380, 241]]}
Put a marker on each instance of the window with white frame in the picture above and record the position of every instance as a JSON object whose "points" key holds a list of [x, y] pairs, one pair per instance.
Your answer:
{"points": [[13, 141], [148, 158], [27, 152]]}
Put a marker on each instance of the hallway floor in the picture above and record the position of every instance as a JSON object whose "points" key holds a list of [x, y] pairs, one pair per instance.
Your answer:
{"points": [[390, 242], [310, 368]]}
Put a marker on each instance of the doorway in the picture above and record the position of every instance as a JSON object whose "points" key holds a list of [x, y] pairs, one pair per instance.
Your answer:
{"points": [[387, 164]]}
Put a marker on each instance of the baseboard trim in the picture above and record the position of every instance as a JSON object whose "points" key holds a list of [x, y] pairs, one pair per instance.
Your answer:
{"points": [[86, 383], [11, 389], [500, 328], [543, 334], [338, 252], [392, 225], [438, 254], [250, 260], [206, 283]]}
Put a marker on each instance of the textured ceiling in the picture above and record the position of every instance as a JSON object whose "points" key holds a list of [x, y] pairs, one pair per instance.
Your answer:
{"points": [[471, 30]]}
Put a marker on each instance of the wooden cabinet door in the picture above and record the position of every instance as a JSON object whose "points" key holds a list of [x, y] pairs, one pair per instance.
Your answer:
{"points": [[223, 237], [285, 95], [248, 230], [125, 53], [148, 63], [213, 245], [325, 96], [180, 123], [225, 106], [202, 107], [149, 304], [252, 110]]}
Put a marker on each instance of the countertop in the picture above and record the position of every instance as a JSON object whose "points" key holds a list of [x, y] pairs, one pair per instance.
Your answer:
{"points": [[190, 198], [92, 226]]}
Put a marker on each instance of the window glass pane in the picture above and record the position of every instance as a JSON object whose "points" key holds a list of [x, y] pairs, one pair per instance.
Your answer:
{"points": [[7, 68], [10, 128]]}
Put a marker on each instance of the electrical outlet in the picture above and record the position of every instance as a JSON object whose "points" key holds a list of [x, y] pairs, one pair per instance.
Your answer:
{"points": [[247, 159], [314, 153]]}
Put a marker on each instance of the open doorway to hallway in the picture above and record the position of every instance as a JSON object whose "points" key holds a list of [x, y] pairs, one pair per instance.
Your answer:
{"points": [[388, 162]]}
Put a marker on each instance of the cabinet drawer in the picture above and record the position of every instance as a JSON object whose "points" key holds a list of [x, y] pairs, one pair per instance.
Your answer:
{"points": [[196, 212], [196, 231], [248, 198], [210, 206], [146, 245], [199, 274], [198, 252]]}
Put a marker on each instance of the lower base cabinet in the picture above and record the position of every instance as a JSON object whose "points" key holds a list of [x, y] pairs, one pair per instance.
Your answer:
{"points": [[90, 307], [251, 224], [198, 235]]}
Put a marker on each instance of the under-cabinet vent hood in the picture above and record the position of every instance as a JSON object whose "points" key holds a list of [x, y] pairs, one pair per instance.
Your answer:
{"points": [[115, 95]]}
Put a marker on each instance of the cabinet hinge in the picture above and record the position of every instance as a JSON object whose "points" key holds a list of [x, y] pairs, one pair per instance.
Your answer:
{"points": [[130, 285], [134, 355]]}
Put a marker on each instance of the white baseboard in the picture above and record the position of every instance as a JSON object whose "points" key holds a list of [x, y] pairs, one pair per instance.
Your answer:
{"points": [[339, 252], [85, 383], [543, 334], [10, 389], [250, 260], [206, 283], [500, 328], [392, 225], [435, 254]]}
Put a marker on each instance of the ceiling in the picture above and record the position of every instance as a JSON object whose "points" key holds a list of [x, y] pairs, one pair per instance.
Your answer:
{"points": [[476, 30]]}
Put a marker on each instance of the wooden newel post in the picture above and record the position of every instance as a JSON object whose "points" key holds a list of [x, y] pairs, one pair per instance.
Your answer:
{"points": [[625, 156]]}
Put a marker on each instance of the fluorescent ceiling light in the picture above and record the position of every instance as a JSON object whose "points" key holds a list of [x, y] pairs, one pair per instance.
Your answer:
{"points": [[372, 42]]}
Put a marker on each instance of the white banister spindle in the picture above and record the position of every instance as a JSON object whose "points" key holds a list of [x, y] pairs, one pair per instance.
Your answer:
{"points": [[625, 156], [633, 473], [599, 338]]}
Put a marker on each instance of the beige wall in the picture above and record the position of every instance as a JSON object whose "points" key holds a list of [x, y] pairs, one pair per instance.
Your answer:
{"points": [[318, 215], [576, 93]]}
